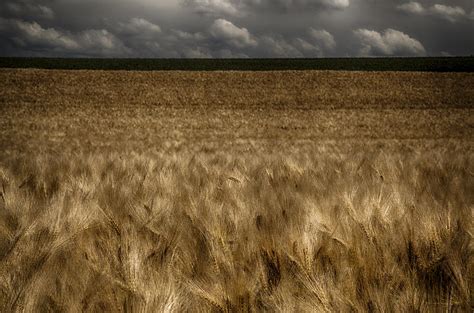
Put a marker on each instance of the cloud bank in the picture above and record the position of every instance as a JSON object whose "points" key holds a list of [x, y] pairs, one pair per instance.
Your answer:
{"points": [[235, 28]]}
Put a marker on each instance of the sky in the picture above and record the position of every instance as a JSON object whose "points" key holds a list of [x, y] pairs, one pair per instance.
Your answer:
{"points": [[236, 28]]}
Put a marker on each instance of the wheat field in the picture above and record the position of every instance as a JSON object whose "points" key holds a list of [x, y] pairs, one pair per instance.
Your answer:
{"points": [[291, 191]]}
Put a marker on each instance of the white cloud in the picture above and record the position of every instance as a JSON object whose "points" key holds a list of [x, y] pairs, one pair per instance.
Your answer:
{"points": [[99, 40], [338, 4], [87, 42], [323, 37], [226, 31], [242, 7], [138, 32], [213, 7], [273, 45], [412, 7], [276, 46], [391, 43], [34, 34], [138, 35], [139, 26], [449, 13]]}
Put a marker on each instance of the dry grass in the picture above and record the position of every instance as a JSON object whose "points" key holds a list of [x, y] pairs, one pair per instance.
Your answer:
{"points": [[118, 196]]}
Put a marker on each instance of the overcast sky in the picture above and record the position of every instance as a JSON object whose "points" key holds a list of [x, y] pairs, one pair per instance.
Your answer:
{"points": [[236, 28]]}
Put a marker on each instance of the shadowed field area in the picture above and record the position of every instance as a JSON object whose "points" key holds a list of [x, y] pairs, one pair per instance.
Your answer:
{"points": [[408, 64], [236, 191]]}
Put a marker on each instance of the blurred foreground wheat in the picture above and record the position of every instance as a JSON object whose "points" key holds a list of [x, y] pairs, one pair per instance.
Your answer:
{"points": [[302, 232]]}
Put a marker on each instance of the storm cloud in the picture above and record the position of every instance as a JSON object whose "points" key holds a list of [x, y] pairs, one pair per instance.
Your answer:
{"points": [[236, 28]]}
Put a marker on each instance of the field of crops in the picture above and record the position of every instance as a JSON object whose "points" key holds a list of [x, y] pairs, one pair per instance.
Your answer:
{"points": [[281, 191]]}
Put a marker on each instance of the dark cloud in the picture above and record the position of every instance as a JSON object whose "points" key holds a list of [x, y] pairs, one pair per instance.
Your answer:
{"points": [[25, 9], [296, 5], [236, 28]]}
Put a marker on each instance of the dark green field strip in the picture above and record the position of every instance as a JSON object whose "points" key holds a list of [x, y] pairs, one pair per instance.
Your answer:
{"points": [[445, 64]]}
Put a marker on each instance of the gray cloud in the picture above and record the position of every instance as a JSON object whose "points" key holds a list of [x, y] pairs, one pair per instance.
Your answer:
{"points": [[139, 27], [278, 47], [312, 43], [324, 37], [21, 9], [213, 7], [32, 36], [233, 35], [449, 13], [243, 7], [391, 42], [289, 5], [235, 28], [412, 7]]}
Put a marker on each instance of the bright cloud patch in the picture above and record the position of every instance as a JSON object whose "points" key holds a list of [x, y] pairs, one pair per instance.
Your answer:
{"points": [[300, 47], [139, 26], [323, 37], [450, 13], [391, 42], [212, 7], [241, 7], [34, 34], [412, 7], [138, 30], [231, 34], [87, 42]]}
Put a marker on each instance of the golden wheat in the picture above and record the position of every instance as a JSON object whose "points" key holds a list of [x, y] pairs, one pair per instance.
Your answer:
{"points": [[171, 192]]}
